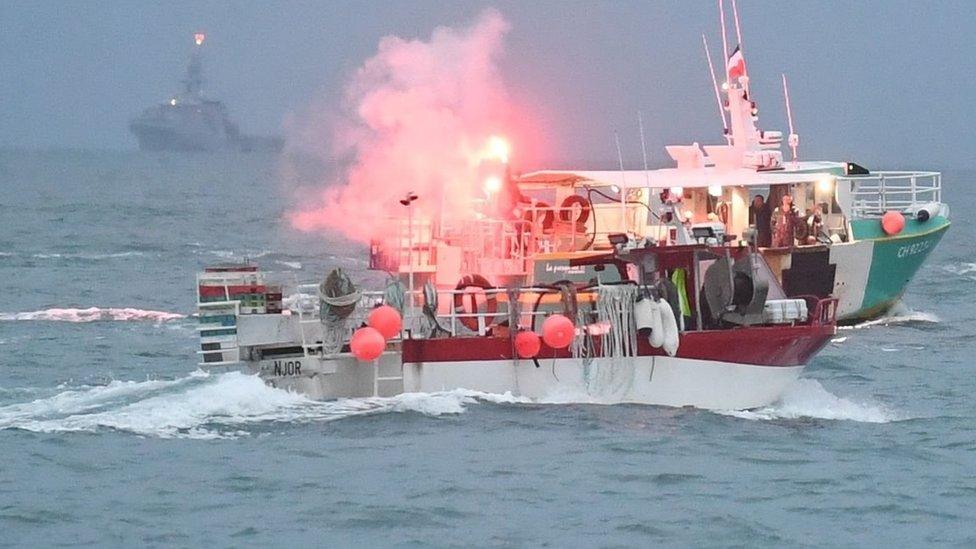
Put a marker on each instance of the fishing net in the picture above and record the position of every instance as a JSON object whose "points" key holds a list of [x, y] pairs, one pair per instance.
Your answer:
{"points": [[610, 377], [338, 298], [615, 305]]}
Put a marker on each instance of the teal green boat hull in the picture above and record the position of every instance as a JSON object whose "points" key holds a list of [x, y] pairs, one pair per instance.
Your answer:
{"points": [[894, 260]]}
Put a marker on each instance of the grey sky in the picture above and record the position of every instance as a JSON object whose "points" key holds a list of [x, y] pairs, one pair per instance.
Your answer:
{"points": [[877, 81]]}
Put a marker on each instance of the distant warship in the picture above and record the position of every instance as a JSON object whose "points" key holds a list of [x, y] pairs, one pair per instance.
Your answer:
{"points": [[191, 122]]}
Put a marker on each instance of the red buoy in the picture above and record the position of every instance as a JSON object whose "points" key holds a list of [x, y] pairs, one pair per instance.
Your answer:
{"points": [[527, 344], [892, 222], [367, 344], [386, 320], [558, 331]]}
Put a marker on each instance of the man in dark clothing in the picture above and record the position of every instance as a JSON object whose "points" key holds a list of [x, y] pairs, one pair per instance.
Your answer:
{"points": [[759, 217]]}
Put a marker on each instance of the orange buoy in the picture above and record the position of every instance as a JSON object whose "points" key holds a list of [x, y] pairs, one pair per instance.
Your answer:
{"points": [[892, 222], [367, 344], [527, 344], [558, 331], [386, 320]]}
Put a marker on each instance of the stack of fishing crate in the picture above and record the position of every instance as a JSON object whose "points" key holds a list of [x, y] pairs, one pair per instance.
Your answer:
{"points": [[272, 298], [223, 292]]}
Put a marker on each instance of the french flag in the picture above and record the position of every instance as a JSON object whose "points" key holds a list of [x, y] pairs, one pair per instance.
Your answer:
{"points": [[737, 65]]}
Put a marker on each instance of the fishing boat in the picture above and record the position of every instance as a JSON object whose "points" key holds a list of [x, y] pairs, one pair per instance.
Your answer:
{"points": [[856, 234], [685, 325]]}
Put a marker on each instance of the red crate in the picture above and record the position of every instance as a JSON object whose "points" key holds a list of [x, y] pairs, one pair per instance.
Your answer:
{"points": [[233, 291], [232, 268]]}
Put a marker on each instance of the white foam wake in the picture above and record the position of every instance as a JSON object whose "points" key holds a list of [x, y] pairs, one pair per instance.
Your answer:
{"points": [[807, 398], [208, 406], [93, 314], [899, 314]]}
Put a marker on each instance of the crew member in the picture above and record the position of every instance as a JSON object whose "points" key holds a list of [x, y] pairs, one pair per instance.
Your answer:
{"points": [[760, 216], [784, 223], [814, 226]]}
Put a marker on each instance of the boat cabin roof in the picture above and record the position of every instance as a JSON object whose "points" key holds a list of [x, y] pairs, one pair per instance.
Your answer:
{"points": [[803, 172]]}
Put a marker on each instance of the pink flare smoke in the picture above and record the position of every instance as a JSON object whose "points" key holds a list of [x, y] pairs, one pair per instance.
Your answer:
{"points": [[418, 114]]}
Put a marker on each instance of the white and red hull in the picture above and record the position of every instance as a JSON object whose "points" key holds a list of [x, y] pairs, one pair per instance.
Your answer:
{"points": [[658, 380], [751, 368], [642, 380]]}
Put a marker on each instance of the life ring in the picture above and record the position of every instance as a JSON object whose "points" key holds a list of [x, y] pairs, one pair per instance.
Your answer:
{"points": [[723, 212], [540, 215], [568, 212], [491, 302]]}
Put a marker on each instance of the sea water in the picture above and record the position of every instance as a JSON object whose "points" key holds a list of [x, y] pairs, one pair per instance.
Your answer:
{"points": [[111, 436]]}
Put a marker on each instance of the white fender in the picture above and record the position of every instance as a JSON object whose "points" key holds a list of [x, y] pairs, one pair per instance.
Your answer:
{"points": [[670, 328], [657, 331], [644, 314]]}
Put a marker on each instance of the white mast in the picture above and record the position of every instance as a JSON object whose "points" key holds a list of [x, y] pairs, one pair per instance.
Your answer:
{"points": [[725, 42], [640, 125], [718, 95], [793, 140], [738, 37], [623, 184], [738, 30]]}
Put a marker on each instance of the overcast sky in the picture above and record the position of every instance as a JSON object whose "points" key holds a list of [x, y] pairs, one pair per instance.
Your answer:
{"points": [[877, 81]]}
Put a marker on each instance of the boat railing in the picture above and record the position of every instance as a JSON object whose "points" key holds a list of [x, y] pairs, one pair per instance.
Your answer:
{"points": [[577, 227], [494, 246], [454, 312], [456, 316], [874, 194], [823, 310]]}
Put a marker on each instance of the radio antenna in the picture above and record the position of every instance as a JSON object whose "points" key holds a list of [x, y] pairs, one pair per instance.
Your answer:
{"points": [[640, 125], [718, 95], [725, 41], [793, 140], [623, 184], [738, 31]]}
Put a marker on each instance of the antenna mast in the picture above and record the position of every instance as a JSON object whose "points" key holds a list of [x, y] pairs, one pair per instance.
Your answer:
{"points": [[725, 42], [738, 31], [718, 95], [640, 124], [793, 139], [193, 82], [738, 37], [623, 182]]}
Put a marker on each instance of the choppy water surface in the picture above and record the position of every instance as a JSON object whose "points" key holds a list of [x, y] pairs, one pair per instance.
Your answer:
{"points": [[110, 436]]}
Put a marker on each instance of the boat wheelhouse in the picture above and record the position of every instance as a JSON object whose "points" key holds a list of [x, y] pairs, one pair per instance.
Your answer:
{"points": [[841, 249]]}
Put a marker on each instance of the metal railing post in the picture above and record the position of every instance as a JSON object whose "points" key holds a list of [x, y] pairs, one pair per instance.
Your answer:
{"points": [[914, 190], [881, 190]]}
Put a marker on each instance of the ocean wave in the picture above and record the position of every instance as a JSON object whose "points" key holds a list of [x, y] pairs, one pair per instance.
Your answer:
{"points": [[79, 256], [807, 398], [962, 268], [93, 314], [212, 406], [209, 406]]}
